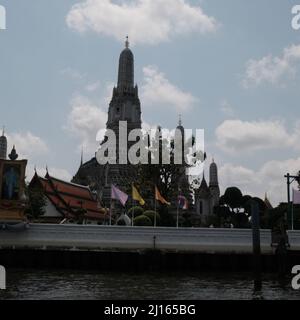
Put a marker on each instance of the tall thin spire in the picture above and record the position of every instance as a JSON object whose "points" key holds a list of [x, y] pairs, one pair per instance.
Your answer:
{"points": [[13, 154], [213, 174], [81, 160], [3, 145], [267, 202], [126, 68], [180, 120]]}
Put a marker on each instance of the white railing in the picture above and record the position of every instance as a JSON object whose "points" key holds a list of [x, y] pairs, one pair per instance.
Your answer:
{"points": [[294, 238], [76, 237]]}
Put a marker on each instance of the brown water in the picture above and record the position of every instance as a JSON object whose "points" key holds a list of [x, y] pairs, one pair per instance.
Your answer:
{"points": [[66, 285]]}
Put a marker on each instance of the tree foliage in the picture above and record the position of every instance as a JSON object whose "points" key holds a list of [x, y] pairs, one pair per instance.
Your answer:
{"points": [[235, 209], [143, 221], [151, 215], [135, 212], [233, 198], [169, 178], [36, 205]]}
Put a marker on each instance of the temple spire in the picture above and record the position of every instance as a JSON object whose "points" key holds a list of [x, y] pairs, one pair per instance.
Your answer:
{"points": [[3, 145], [126, 68], [180, 120], [13, 155], [81, 160], [213, 174]]}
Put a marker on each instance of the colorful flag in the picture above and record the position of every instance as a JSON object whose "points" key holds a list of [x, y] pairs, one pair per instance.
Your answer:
{"points": [[183, 203], [136, 196], [296, 197], [160, 198], [117, 194]]}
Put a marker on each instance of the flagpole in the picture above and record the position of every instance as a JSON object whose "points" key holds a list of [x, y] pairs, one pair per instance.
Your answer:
{"points": [[110, 209], [293, 216], [177, 214], [110, 212], [132, 213], [155, 215], [179, 192], [155, 212]]}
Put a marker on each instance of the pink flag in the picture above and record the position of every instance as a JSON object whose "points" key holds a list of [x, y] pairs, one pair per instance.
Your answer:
{"points": [[117, 194], [296, 197], [183, 203]]}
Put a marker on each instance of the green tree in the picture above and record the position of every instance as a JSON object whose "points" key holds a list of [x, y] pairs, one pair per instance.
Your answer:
{"points": [[222, 216], [276, 217], [166, 219], [36, 205], [143, 221], [135, 211], [187, 223], [151, 215], [235, 213], [169, 178], [233, 198]]}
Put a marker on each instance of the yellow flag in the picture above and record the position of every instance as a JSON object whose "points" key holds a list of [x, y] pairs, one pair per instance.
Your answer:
{"points": [[136, 196], [160, 198]]}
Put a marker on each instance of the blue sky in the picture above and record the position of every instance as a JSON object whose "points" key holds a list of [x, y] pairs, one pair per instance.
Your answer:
{"points": [[230, 67]]}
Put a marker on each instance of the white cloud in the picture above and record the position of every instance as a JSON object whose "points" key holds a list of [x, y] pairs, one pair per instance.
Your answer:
{"points": [[107, 94], [272, 69], [91, 87], [145, 21], [269, 178], [84, 121], [157, 90], [226, 108], [72, 73], [239, 136], [148, 126], [27, 144]]}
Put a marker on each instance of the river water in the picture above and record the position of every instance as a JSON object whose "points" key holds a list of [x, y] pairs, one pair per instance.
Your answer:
{"points": [[85, 285]]}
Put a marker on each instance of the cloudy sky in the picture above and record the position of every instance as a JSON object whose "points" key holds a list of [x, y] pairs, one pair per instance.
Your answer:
{"points": [[230, 67]]}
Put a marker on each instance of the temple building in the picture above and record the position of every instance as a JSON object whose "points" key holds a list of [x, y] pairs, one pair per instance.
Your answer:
{"points": [[208, 195], [3, 146], [12, 185], [66, 202], [124, 106]]}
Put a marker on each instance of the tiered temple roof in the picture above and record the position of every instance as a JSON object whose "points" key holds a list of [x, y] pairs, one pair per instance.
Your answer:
{"points": [[68, 198]]}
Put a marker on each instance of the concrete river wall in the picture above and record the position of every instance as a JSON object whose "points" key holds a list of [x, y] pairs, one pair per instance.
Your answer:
{"points": [[138, 248]]}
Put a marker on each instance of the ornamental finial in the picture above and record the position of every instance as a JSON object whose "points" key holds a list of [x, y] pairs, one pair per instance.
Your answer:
{"points": [[81, 160], [180, 120], [127, 42]]}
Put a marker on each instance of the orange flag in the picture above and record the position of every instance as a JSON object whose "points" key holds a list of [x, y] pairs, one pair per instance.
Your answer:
{"points": [[160, 198]]}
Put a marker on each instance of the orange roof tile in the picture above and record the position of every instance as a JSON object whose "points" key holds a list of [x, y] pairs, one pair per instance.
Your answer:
{"points": [[68, 198]]}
